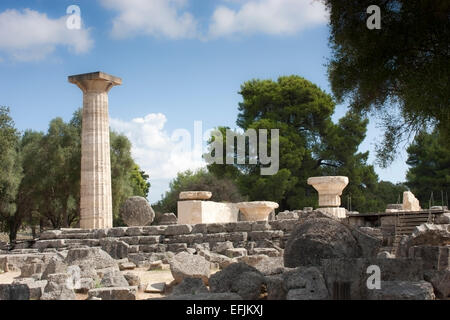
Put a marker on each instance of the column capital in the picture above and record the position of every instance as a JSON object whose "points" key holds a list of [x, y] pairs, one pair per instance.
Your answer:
{"points": [[95, 81]]}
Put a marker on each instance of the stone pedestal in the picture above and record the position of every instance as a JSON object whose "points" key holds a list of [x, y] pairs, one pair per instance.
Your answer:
{"points": [[195, 195], [95, 193], [257, 210], [330, 190]]}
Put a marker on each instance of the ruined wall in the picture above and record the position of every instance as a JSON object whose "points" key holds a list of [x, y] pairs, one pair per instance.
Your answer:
{"points": [[255, 237]]}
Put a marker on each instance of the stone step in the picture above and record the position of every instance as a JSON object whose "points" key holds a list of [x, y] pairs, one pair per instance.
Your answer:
{"points": [[413, 218]]}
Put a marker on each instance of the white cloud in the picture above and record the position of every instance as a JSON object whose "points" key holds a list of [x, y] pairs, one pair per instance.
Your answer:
{"points": [[152, 17], [30, 35], [161, 155], [274, 17]]}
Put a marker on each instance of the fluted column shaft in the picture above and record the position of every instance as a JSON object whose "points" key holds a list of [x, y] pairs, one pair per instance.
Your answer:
{"points": [[95, 196]]}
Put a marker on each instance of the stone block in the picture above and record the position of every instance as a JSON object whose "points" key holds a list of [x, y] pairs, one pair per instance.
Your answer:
{"points": [[117, 293], [200, 228], [245, 226], [195, 195], [117, 232], [50, 234], [215, 228], [433, 257], [153, 230], [149, 239], [236, 252], [177, 247], [236, 236], [178, 229], [410, 202], [261, 226]]}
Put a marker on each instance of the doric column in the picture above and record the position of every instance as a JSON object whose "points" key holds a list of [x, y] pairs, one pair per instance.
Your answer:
{"points": [[95, 193]]}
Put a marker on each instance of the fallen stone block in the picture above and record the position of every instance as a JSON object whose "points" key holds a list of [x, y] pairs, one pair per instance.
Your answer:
{"points": [[185, 265], [14, 292], [36, 287], [159, 287], [236, 252], [132, 279], [238, 278], [305, 283]]}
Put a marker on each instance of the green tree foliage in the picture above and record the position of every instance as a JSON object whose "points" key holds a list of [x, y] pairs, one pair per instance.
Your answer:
{"points": [[40, 178], [429, 171], [310, 145], [403, 64], [223, 189]]}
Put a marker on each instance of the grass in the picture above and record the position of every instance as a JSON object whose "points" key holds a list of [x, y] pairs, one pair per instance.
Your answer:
{"points": [[97, 284]]}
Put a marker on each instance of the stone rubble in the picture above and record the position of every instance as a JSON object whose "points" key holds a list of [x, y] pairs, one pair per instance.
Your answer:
{"points": [[315, 256]]}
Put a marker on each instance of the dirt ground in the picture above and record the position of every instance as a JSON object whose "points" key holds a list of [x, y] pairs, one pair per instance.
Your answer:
{"points": [[8, 277]]}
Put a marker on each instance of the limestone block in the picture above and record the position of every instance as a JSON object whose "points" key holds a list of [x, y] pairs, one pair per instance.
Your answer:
{"points": [[236, 236], [149, 239], [244, 226], [117, 293], [195, 211], [236, 252], [50, 234], [200, 228], [287, 215], [336, 212], [136, 211], [159, 287], [329, 188], [403, 290], [133, 231], [257, 210], [117, 232], [394, 207], [263, 235], [178, 229], [410, 203], [261, 226], [177, 247], [154, 230], [185, 265], [195, 195]]}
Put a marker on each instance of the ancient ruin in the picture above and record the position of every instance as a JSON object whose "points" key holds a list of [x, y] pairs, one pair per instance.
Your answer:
{"points": [[95, 194]]}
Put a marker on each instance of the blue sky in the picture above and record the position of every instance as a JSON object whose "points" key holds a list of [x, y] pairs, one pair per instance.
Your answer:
{"points": [[180, 60]]}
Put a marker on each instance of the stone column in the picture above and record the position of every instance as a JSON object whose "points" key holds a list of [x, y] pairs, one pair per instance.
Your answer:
{"points": [[95, 193]]}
